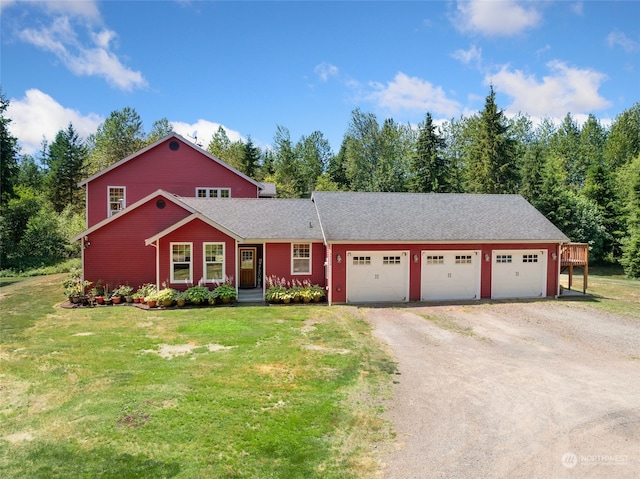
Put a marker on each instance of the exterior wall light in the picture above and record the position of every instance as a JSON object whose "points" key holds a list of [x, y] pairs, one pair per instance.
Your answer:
{"points": [[486, 257], [339, 258], [415, 258], [554, 256]]}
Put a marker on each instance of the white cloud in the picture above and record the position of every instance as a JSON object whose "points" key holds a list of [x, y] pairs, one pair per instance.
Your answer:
{"points": [[87, 9], [98, 59], [413, 94], [499, 18], [38, 115], [472, 55], [324, 70], [205, 130], [619, 39], [565, 90]]}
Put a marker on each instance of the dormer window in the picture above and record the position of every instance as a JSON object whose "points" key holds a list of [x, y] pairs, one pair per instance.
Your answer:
{"points": [[117, 199], [203, 192]]}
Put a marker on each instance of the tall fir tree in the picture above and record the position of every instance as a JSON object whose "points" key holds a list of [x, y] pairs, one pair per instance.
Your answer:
{"points": [[67, 162], [491, 165], [251, 159], [8, 155], [429, 171]]}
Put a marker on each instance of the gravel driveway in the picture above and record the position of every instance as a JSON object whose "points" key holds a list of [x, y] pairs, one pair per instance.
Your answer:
{"points": [[542, 389]]}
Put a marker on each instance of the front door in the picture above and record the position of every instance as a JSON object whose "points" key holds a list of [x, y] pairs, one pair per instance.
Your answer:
{"points": [[247, 267]]}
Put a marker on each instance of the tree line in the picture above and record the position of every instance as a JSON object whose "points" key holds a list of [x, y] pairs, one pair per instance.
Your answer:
{"points": [[585, 179]]}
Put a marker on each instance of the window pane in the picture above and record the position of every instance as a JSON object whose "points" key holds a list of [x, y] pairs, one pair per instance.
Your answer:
{"points": [[181, 271], [300, 265], [214, 272]]}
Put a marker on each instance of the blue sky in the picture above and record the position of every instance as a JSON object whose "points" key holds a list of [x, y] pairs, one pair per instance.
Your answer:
{"points": [[250, 66]]}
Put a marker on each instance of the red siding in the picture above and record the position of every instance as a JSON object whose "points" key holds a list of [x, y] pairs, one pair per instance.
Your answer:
{"points": [[117, 253], [339, 272], [196, 232], [179, 172], [278, 263]]}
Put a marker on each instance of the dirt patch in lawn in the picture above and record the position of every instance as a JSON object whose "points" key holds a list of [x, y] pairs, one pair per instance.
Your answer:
{"points": [[170, 351], [518, 390]]}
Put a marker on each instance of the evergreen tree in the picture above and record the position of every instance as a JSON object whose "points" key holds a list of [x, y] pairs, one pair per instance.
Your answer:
{"points": [[67, 162], [430, 171], [30, 173], [251, 159], [565, 145], [491, 166], [336, 169], [8, 155]]}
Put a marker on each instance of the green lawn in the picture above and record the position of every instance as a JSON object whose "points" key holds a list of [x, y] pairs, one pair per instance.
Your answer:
{"points": [[227, 392], [608, 289]]}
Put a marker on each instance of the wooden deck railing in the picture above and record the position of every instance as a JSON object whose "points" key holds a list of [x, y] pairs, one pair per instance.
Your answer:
{"points": [[575, 254]]}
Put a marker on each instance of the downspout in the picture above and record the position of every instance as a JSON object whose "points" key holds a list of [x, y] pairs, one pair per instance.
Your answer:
{"points": [[328, 258]]}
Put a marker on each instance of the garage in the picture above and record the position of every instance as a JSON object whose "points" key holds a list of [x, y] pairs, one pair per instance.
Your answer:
{"points": [[377, 276], [519, 274], [450, 275]]}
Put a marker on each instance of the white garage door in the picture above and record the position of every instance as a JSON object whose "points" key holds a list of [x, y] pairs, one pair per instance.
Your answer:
{"points": [[519, 274], [450, 275], [374, 276]]}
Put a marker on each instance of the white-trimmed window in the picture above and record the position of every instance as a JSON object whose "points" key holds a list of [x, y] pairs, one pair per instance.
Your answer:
{"points": [[213, 262], [206, 192], [530, 258], [391, 260], [181, 270], [361, 260], [300, 258], [117, 199], [435, 259], [463, 259], [504, 258]]}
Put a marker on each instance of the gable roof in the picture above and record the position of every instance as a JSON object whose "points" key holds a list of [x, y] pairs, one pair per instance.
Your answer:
{"points": [[175, 136], [130, 208], [387, 217], [257, 219]]}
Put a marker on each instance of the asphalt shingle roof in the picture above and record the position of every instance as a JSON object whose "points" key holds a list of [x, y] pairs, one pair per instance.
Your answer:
{"points": [[349, 216], [260, 218]]}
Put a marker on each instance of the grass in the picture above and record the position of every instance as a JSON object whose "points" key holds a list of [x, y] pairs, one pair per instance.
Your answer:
{"points": [[243, 392], [609, 290]]}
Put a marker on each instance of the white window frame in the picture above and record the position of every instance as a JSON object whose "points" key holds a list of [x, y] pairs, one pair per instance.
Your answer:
{"points": [[172, 263], [209, 190], [123, 202], [205, 262], [294, 258]]}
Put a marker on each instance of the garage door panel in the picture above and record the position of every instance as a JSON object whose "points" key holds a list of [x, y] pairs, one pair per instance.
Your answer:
{"points": [[449, 275], [377, 276], [519, 274]]}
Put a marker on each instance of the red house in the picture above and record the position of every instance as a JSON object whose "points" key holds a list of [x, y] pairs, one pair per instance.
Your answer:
{"points": [[172, 213]]}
